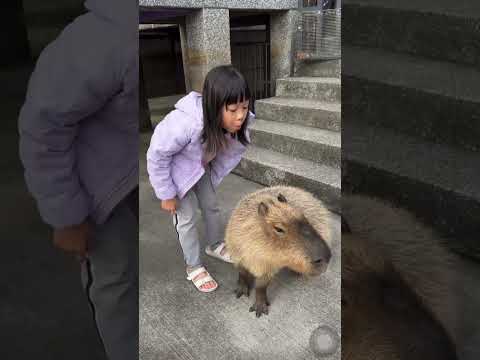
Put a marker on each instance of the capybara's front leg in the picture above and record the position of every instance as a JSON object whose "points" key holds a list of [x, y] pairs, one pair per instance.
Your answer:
{"points": [[245, 282], [261, 304]]}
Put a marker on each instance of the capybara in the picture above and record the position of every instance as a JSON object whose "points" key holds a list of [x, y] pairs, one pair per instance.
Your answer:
{"points": [[274, 228], [405, 295]]}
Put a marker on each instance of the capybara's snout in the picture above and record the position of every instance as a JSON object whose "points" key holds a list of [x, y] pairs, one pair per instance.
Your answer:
{"points": [[321, 259], [318, 250]]}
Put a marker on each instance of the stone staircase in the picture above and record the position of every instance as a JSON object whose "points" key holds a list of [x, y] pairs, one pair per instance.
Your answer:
{"points": [[411, 110], [296, 138], [160, 106]]}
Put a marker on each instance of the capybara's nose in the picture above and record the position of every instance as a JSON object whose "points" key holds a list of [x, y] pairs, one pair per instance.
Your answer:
{"points": [[322, 254], [320, 264]]}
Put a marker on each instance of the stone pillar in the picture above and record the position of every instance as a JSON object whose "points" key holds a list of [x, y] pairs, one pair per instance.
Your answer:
{"points": [[205, 44], [281, 34], [183, 43]]}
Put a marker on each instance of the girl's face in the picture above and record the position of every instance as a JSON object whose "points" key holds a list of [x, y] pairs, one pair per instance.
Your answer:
{"points": [[234, 115]]}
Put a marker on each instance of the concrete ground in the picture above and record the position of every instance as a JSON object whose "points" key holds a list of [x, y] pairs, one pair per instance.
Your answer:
{"points": [[178, 322]]}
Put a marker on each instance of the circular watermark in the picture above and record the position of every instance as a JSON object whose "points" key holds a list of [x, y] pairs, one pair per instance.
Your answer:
{"points": [[324, 341]]}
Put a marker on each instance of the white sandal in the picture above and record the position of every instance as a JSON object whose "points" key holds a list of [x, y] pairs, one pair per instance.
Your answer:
{"points": [[217, 253], [202, 281]]}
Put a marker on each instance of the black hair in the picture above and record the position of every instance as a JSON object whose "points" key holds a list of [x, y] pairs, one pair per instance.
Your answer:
{"points": [[224, 85]]}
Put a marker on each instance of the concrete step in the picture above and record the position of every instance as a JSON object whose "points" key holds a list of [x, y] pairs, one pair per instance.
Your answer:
{"points": [[329, 68], [314, 88], [444, 29], [163, 104], [159, 107], [322, 115], [270, 168], [438, 101], [299, 142], [436, 182]]}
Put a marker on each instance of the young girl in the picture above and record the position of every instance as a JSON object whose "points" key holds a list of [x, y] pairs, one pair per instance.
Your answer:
{"points": [[192, 149]]}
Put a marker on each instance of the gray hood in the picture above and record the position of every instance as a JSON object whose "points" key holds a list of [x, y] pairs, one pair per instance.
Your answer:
{"points": [[124, 12]]}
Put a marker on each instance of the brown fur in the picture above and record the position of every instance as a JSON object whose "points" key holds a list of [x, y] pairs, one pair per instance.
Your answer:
{"points": [[404, 295], [255, 246]]}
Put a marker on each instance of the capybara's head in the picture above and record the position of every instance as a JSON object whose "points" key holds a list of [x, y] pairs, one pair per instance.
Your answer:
{"points": [[288, 227]]}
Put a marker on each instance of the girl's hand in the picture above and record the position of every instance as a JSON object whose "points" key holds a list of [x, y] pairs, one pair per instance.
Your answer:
{"points": [[170, 205], [73, 239]]}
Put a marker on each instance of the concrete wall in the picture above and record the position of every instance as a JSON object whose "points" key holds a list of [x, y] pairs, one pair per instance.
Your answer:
{"points": [[227, 4], [206, 43]]}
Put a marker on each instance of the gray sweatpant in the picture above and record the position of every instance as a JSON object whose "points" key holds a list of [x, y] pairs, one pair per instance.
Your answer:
{"points": [[202, 196], [110, 279]]}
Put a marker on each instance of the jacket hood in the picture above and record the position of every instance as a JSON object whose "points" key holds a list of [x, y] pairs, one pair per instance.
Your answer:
{"points": [[124, 12], [191, 105]]}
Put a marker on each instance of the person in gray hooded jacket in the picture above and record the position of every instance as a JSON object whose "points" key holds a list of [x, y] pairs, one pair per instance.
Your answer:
{"points": [[79, 147]]}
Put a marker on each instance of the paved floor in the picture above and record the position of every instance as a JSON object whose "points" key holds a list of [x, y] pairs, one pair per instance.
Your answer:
{"points": [[178, 322]]}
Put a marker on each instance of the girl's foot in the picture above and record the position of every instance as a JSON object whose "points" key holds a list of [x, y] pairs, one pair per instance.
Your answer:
{"points": [[201, 279], [220, 252]]}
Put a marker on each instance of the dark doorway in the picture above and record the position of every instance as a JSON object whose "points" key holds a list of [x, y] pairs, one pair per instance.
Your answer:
{"points": [[250, 49], [161, 59]]}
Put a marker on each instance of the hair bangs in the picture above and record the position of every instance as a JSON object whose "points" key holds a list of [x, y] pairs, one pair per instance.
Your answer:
{"points": [[237, 91]]}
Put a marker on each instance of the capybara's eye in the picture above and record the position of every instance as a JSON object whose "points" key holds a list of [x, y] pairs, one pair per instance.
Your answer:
{"points": [[279, 230]]}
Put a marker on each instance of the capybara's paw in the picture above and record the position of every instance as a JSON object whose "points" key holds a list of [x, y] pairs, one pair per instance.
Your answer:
{"points": [[260, 307], [242, 289]]}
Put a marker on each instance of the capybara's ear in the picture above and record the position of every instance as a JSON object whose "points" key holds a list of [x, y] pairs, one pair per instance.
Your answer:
{"points": [[262, 209], [281, 198]]}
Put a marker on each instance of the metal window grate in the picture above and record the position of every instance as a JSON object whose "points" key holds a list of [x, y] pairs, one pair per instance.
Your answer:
{"points": [[318, 35], [252, 59], [319, 4]]}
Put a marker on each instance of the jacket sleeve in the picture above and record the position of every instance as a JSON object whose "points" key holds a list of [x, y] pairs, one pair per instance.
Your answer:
{"points": [[70, 82], [171, 135]]}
